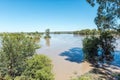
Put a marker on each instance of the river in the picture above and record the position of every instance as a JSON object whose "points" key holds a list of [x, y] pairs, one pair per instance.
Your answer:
{"points": [[65, 51]]}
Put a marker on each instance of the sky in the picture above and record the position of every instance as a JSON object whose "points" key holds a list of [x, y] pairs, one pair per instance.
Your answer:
{"points": [[39, 15]]}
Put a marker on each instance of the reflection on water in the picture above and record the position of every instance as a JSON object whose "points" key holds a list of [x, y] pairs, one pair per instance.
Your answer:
{"points": [[37, 39], [66, 44], [47, 41]]}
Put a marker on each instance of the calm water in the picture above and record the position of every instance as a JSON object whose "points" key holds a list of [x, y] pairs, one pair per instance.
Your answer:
{"points": [[66, 55], [70, 46]]}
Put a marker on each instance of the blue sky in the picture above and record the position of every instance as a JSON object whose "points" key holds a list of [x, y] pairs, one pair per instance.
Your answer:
{"points": [[38, 15]]}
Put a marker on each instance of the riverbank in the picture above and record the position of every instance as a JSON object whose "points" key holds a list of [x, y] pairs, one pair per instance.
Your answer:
{"points": [[64, 69], [106, 72]]}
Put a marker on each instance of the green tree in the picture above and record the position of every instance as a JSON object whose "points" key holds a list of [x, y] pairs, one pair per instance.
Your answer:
{"points": [[106, 44], [39, 67], [47, 33], [16, 48], [90, 48], [108, 13], [103, 43], [107, 16]]}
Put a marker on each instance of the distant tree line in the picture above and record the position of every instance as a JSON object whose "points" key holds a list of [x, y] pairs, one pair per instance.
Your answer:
{"points": [[94, 32], [87, 32]]}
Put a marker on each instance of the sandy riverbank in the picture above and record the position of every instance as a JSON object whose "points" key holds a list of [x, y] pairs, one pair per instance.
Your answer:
{"points": [[64, 69]]}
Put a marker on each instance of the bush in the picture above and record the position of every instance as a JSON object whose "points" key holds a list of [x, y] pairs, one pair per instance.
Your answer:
{"points": [[39, 67], [7, 77], [106, 44], [99, 48], [16, 48], [23, 78], [90, 48], [18, 61]]}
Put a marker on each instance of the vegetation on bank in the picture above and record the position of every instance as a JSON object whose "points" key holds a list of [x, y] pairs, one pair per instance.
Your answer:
{"points": [[87, 32], [19, 61], [31, 34], [80, 32], [99, 49], [94, 32], [106, 21], [39, 68]]}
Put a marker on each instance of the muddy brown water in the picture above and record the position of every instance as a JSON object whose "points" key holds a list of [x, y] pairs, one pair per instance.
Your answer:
{"points": [[65, 51]]}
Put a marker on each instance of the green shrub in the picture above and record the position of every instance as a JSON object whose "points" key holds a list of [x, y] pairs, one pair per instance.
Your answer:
{"points": [[90, 48], [16, 48], [39, 67], [23, 78], [103, 43], [7, 77]]}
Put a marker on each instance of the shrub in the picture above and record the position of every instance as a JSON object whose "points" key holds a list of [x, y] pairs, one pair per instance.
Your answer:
{"points": [[39, 67], [16, 48], [90, 48], [106, 44], [103, 43], [23, 78]]}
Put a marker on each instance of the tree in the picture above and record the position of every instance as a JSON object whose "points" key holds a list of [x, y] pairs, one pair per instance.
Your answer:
{"points": [[47, 33], [107, 18], [108, 13], [16, 48], [90, 48], [106, 41]]}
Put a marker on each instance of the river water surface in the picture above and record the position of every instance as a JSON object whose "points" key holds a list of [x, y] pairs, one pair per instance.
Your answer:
{"points": [[65, 51]]}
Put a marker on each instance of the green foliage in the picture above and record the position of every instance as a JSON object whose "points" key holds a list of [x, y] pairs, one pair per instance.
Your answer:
{"points": [[39, 67], [106, 44], [94, 32], [90, 48], [47, 33], [18, 61], [108, 13], [87, 32], [7, 77], [23, 78], [16, 48], [107, 16]]}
